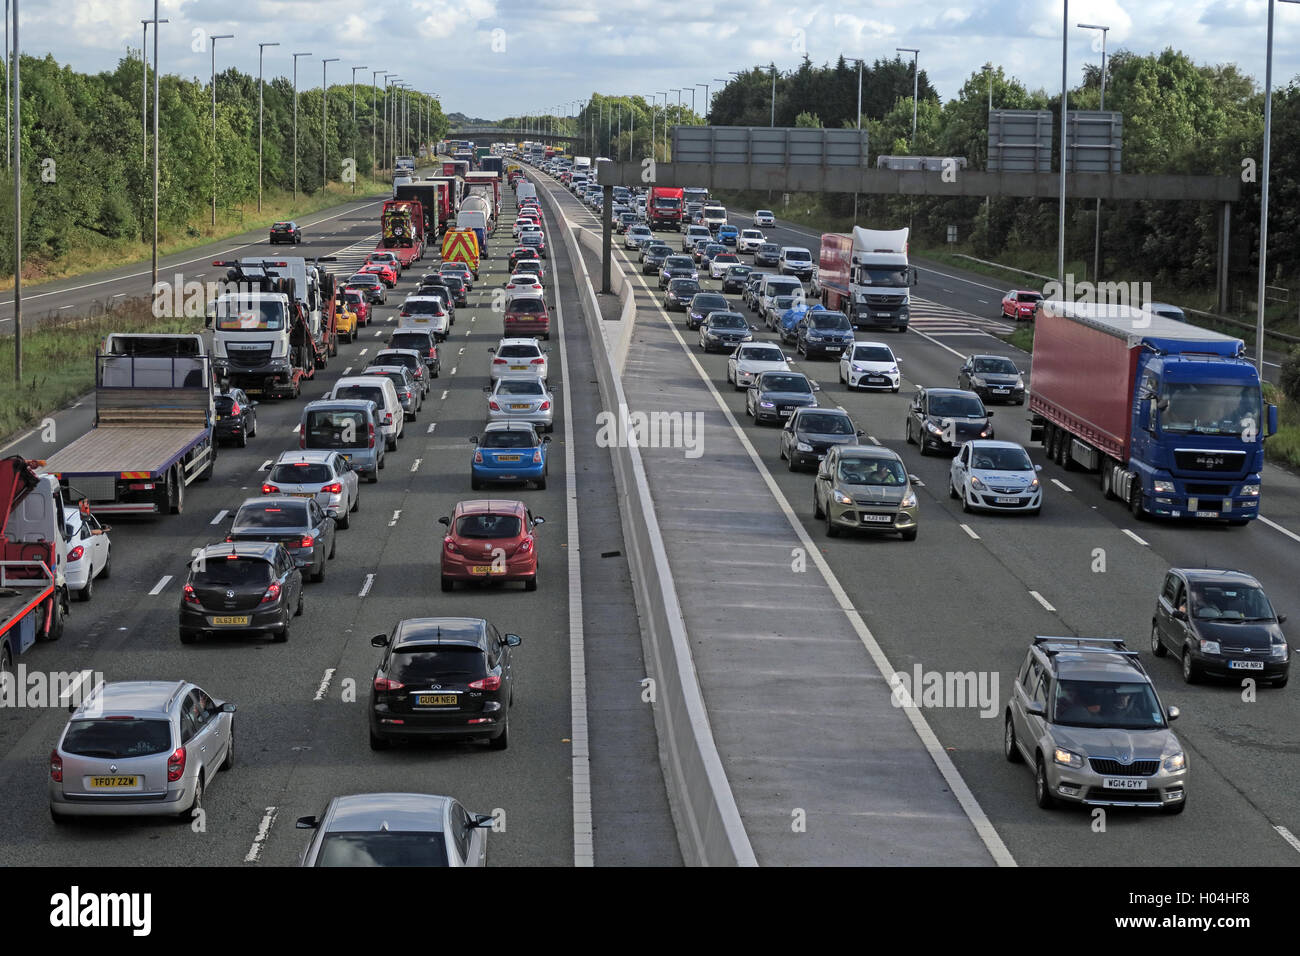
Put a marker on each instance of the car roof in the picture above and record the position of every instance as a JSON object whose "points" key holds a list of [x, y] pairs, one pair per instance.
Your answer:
{"points": [[372, 380], [412, 353], [393, 812], [1216, 576], [278, 500], [474, 506], [1091, 658], [991, 443], [244, 549], [869, 451], [509, 427], [342, 404], [519, 341], [313, 455], [950, 391], [989, 355], [143, 697], [440, 630]]}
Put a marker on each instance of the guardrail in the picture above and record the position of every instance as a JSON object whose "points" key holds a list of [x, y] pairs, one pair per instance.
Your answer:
{"points": [[709, 827]]}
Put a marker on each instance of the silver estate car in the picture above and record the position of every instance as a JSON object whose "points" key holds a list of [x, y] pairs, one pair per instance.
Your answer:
{"points": [[396, 829], [1085, 716], [521, 400], [140, 748]]}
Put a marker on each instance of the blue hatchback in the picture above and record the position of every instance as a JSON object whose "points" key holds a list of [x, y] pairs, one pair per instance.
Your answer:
{"points": [[727, 235], [509, 451]]}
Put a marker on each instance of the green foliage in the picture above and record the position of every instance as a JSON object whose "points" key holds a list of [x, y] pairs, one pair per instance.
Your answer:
{"points": [[1289, 376], [808, 120]]}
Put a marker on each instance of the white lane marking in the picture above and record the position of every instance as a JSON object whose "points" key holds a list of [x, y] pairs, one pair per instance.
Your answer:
{"points": [[982, 301], [62, 307], [415, 465], [584, 852], [1064, 487], [365, 588], [445, 393], [396, 514], [873, 439], [264, 465], [220, 516], [1287, 835], [297, 427], [157, 588], [324, 684], [956, 783], [1277, 527], [930, 338], [1145, 544], [462, 350], [379, 332], [263, 831], [453, 369], [969, 531], [432, 426], [1042, 600], [363, 352], [347, 371]]}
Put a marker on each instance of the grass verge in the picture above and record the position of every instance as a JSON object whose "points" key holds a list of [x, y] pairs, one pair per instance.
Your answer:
{"points": [[1283, 448]]}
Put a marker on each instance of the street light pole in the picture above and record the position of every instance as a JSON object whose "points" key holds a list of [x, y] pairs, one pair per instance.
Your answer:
{"points": [[16, 56], [773, 122], [1060, 226], [664, 94], [1096, 241], [261, 49], [354, 126], [156, 73], [214, 39], [916, 82], [855, 192], [324, 119], [295, 124]]}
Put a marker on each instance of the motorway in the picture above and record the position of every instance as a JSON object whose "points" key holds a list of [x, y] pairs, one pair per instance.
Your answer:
{"points": [[968, 596], [301, 727]]}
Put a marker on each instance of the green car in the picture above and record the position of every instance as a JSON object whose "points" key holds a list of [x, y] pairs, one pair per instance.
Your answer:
{"points": [[867, 488]]}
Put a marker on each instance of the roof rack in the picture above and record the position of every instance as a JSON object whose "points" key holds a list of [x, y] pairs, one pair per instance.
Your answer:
{"points": [[1087, 645]]}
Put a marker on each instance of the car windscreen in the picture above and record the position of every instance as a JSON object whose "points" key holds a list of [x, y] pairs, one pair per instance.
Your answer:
{"points": [[336, 429], [369, 393], [1200, 409], [997, 366], [398, 358], [666, 202], [728, 320], [301, 473], [887, 277], [831, 321], [407, 340], [798, 255], [118, 739], [233, 572], [529, 304], [1229, 602], [956, 406], [488, 526], [280, 514], [1028, 297], [369, 281], [423, 307], [761, 353], [872, 471], [708, 303], [514, 438], [383, 848], [397, 378], [1111, 704], [520, 386], [681, 261], [683, 287], [236, 316], [786, 383], [517, 351], [995, 458], [873, 353], [738, 272], [825, 423], [783, 302]]}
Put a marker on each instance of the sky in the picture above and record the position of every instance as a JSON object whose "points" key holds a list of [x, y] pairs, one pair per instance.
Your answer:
{"points": [[493, 58]]}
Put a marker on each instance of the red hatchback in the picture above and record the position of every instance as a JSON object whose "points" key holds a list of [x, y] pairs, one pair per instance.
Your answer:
{"points": [[385, 270], [490, 540], [1020, 304], [356, 301]]}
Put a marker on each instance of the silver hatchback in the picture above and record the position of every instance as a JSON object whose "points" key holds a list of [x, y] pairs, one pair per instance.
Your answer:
{"points": [[324, 475], [140, 748]]}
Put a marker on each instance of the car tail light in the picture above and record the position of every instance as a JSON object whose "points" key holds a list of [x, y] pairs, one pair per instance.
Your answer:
{"points": [[229, 539], [478, 458], [388, 418], [526, 547], [176, 765], [272, 593], [433, 352], [491, 682], [492, 404], [539, 361], [335, 488], [140, 486], [544, 406], [270, 489], [235, 409], [537, 457], [385, 683], [403, 313], [372, 435], [450, 544], [56, 767], [499, 361], [76, 553], [307, 541], [191, 597]]}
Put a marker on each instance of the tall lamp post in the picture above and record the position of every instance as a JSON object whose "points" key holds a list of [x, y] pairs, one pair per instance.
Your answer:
{"points": [[144, 81], [1096, 242], [324, 118], [18, 195], [295, 124], [214, 39], [261, 49], [916, 82], [156, 71], [354, 126], [1060, 226]]}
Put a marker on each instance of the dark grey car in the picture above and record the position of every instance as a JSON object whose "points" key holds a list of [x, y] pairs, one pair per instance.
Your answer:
{"points": [[775, 395], [300, 524], [942, 419], [994, 378], [768, 254], [810, 432]]}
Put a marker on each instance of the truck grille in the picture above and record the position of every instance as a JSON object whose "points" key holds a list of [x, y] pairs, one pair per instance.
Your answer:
{"points": [[881, 300], [1113, 768], [1209, 491], [1196, 459]]}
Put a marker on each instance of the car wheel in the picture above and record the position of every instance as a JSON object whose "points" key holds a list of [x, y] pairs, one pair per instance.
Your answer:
{"points": [[86, 593], [831, 530], [789, 459], [108, 560], [502, 741], [952, 489], [356, 502], [57, 818], [196, 804], [334, 543], [1157, 646], [817, 506], [230, 751], [1191, 673], [252, 432], [318, 576], [1010, 749], [1042, 793], [1135, 502], [965, 502], [243, 438], [297, 612], [1281, 681], [530, 584], [282, 635], [907, 432], [475, 484], [187, 637], [378, 743], [909, 534]]}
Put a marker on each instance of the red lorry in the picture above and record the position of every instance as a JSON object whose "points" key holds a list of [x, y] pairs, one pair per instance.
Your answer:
{"points": [[33, 592], [449, 193], [664, 207], [402, 232]]}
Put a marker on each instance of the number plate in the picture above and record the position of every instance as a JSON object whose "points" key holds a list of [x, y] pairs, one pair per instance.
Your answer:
{"points": [[436, 700], [113, 783], [238, 620], [518, 407], [1001, 391], [304, 494], [486, 569], [1207, 514], [1124, 783], [832, 348], [519, 368], [876, 379], [507, 458], [1007, 501], [1245, 665], [879, 519]]}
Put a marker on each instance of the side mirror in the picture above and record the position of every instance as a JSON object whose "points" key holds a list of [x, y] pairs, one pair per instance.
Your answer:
{"points": [[1172, 712], [487, 389], [307, 823], [915, 277], [1038, 467], [379, 640], [1179, 614], [1281, 618], [473, 439], [253, 404], [513, 640], [492, 348], [816, 387], [823, 476], [1272, 419], [546, 439], [445, 520], [988, 413], [1035, 708], [480, 821], [227, 708]]}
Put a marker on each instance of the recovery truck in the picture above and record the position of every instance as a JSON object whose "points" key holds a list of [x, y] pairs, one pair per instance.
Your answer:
{"points": [[153, 432], [402, 230], [33, 554], [1170, 414], [866, 276], [426, 192]]}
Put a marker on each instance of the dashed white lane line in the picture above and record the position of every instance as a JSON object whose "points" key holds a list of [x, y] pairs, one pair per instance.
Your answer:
{"points": [[365, 588], [263, 831], [220, 516], [363, 351], [347, 371], [1064, 487], [324, 684], [415, 465], [378, 333], [462, 350], [157, 588], [1145, 544], [967, 528], [297, 427], [396, 514], [432, 426], [445, 393], [1042, 600], [1290, 837], [1277, 527], [453, 369]]}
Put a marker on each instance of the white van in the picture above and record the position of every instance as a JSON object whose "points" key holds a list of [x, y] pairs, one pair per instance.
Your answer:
{"points": [[525, 190], [774, 285], [378, 389]]}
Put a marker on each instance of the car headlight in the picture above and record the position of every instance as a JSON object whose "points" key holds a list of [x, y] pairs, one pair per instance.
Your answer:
{"points": [[1020, 383], [933, 428], [803, 446], [1034, 483], [909, 501], [977, 381], [1210, 647], [1163, 487], [976, 483], [748, 337], [1175, 762], [1251, 490], [1279, 651], [893, 370], [1067, 758], [841, 498], [766, 405]]}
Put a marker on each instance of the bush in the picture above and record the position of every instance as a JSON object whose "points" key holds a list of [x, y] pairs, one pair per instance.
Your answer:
{"points": [[1289, 376]]}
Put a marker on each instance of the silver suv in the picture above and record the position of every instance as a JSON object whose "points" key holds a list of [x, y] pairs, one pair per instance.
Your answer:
{"points": [[140, 748], [1084, 714]]}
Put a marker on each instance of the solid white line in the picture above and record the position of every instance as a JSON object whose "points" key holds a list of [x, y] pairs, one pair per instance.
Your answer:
{"points": [[396, 514], [1042, 600], [967, 529], [938, 343], [365, 588], [1144, 544], [157, 588], [296, 427], [220, 516], [1061, 485], [263, 831], [415, 465], [324, 684], [956, 784], [1290, 837], [1277, 527]]}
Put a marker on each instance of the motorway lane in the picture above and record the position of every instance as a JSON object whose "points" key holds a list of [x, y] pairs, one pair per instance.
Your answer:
{"points": [[293, 750], [961, 603]]}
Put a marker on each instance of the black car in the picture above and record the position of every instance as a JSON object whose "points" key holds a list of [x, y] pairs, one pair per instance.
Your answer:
{"points": [[285, 232], [734, 280], [530, 267], [679, 293], [242, 586], [236, 417], [653, 256], [993, 378], [300, 524], [811, 431], [823, 332], [942, 419], [460, 295], [408, 359], [723, 331], [442, 677], [1220, 624], [369, 285], [768, 254], [520, 254], [775, 395], [702, 304], [420, 340]]}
